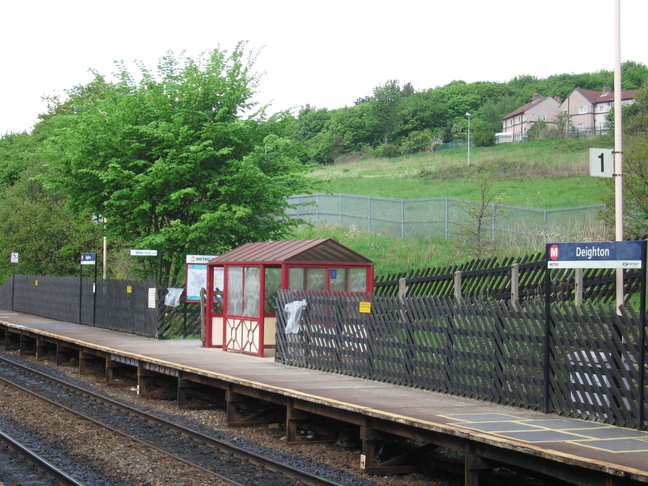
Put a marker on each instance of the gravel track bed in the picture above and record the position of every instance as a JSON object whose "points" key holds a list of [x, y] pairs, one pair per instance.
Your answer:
{"points": [[113, 461]]}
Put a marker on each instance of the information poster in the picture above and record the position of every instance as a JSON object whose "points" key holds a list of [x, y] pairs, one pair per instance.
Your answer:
{"points": [[196, 276]]}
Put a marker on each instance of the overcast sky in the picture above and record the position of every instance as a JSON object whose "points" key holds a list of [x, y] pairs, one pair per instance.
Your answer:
{"points": [[326, 54]]}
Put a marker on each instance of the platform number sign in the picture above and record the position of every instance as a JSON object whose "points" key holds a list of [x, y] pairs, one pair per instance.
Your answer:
{"points": [[601, 162]]}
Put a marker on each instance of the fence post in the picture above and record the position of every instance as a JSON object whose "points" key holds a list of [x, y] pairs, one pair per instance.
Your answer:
{"points": [[341, 195], [318, 209], [403, 219], [578, 286], [494, 225], [457, 286], [447, 218], [402, 289], [515, 282], [369, 215]]}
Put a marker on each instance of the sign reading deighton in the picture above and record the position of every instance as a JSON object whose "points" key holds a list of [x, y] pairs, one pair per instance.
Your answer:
{"points": [[602, 254]]}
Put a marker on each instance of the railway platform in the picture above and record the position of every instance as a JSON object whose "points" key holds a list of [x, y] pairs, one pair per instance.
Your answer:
{"points": [[488, 434]]}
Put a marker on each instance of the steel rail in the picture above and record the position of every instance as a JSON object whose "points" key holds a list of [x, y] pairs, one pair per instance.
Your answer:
{"points": [[48, 468], [225, 447]]}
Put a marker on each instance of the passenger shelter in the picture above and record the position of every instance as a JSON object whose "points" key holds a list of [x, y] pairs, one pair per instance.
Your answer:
{"points": [[242, 286]]}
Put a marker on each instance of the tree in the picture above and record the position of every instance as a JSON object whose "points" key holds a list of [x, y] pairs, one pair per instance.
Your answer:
{"points": [[635, 173], [38, 225], [386, 108], [474, 231], [177, 161], [635, 169]]}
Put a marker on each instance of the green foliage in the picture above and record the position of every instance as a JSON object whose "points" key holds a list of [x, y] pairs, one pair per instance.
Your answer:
{"points": [[483, 138], [38, 225], [15, 154], [392, 113], [417, 142], [171, 162], [541, 130], [385, 108], [635, 172]]}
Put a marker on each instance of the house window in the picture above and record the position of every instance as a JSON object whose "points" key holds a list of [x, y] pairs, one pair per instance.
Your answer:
{"points": [[601, 108], [518, 119], [582, 110], [511, 122]]}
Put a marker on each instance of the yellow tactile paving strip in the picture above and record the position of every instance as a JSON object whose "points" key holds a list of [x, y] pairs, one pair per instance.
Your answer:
{"points": [[599, 436]]}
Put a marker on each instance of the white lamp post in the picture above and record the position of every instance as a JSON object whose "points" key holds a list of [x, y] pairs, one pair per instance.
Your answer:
{"points": [[468, 115]]}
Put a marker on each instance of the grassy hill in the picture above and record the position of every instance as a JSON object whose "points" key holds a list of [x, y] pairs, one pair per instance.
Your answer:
{"points": [[542, 174]]}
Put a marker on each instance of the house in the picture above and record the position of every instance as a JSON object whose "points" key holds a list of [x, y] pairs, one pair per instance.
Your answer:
{"points": [[516, 124], [588, 109]]}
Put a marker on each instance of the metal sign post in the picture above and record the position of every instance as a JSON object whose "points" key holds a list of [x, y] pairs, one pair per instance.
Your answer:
{"points": [[87, 259], [14, 261]]}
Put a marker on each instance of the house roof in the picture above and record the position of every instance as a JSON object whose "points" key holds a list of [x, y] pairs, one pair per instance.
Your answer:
{"points": [[526, 107], [316, 250], [595, 97]]}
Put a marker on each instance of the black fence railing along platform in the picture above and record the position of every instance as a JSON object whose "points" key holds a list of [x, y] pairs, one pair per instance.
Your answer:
{"points": [[486, 349]]}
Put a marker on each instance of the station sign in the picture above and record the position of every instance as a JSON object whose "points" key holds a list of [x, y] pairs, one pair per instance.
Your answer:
{"points": [[199, 258], [602, 254], [88, 258], [143, 252]]}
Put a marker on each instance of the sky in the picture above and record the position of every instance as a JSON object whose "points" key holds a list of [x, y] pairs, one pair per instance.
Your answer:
{"points": [[326, 54]]}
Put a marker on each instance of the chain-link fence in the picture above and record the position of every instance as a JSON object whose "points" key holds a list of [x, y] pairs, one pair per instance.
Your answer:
{"points": [[447, 217]]}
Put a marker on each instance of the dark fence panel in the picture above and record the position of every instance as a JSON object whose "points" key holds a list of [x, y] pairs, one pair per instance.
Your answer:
{"points": [[480, 348], [5, 294], [120, 305]]}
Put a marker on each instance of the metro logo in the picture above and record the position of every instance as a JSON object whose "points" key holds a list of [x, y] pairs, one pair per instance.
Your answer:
{"points": [[554, 252]]}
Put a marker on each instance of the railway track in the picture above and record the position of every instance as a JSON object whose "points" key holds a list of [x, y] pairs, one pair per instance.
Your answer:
{"points": [[41, 470], [225, 462]]}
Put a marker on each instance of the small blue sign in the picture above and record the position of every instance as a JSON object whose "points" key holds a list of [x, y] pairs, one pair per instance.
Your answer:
{"points": [[88, 258], [333, 273], [601, 254]]}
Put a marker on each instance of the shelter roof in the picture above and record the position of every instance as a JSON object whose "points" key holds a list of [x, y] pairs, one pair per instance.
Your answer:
{"points": [[315, 250]]}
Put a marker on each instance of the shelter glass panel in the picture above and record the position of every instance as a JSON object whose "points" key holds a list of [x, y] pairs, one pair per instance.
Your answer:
{"points": [[338, 279], [235, 291], [252, 292], [296, 278], [316, 279], [272, 286], [219, 286], [357, 280]]}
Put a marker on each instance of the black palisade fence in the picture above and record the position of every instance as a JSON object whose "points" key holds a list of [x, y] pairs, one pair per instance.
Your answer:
{"points": [[482, 348]]}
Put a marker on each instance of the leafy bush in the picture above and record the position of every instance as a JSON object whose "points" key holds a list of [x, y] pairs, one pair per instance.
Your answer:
{"points": [[484, 139], [417, 141]]}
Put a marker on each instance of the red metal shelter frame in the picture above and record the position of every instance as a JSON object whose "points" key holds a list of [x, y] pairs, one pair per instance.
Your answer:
{"points": [[246, 321]]}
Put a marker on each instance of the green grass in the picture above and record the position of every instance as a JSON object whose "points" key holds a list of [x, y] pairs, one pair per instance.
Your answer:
{"points": [[543, 174]]}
